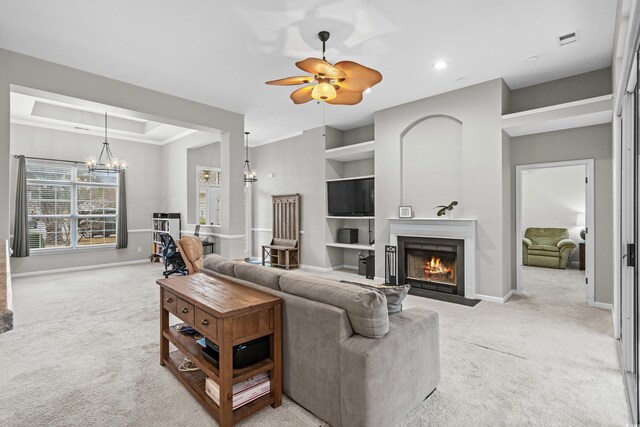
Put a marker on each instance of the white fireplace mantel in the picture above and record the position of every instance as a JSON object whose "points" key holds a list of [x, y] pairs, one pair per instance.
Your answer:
{"points": [[462, 229]]}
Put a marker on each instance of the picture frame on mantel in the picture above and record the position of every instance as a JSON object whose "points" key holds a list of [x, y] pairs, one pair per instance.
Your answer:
{"points": [[405, 212]]}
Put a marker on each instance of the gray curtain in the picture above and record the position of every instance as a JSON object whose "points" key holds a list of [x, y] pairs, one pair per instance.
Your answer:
{"points": [[123, 231], [21, 225]]}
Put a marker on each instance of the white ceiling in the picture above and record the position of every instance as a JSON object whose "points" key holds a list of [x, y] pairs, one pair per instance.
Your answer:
{"points": [[71, 116], [221, 52]]}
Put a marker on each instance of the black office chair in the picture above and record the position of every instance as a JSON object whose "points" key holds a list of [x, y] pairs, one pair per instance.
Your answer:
{"points": [[205, 242], [173, 262]]}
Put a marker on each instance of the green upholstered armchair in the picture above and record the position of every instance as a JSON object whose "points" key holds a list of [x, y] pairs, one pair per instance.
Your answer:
{"points": [[547, 247]]}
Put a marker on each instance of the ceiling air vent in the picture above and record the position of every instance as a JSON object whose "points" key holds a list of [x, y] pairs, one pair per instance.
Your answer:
{"points": [[567, 38]]}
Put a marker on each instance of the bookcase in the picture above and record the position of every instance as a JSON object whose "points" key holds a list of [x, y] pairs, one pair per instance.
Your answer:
{"points": [[349, 160], [164, 223]]}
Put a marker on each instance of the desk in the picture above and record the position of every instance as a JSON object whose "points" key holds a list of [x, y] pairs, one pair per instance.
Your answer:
{"points": [[207, 244], [228, 314]]}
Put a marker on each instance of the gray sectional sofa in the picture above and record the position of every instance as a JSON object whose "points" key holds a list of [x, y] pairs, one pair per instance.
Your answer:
{"points": [[344, 358]]}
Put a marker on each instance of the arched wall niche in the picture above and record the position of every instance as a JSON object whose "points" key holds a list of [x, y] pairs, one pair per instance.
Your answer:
{"points": [[431, 168]]}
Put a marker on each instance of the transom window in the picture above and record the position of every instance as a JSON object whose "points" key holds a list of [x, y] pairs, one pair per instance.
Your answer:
{"points": [[69, 207]]}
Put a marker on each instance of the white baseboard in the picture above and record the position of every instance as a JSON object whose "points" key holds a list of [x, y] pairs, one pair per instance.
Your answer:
{"points": [[314, 268], [81, 268], [603, 305], [499, 300]]}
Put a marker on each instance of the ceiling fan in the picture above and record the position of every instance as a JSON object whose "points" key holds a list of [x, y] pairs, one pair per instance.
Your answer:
{"points": [[342, 83]]}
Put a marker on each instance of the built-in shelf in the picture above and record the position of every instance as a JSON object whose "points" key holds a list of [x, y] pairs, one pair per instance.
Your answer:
{"points": [[350, 217], [351, 178], [585, 112], [356, 246], [350, 153]]}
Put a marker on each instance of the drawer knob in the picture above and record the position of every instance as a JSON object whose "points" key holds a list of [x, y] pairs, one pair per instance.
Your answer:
{"points": [[205, 322], [185, 310], [169, 299]]}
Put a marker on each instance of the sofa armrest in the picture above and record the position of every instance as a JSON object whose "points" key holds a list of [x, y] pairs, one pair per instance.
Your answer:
{"points": [[526, 242], [567, 243], [404, 364]]}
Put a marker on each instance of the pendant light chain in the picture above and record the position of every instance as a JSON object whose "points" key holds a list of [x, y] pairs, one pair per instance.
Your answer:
{"points": [[249, 174]]}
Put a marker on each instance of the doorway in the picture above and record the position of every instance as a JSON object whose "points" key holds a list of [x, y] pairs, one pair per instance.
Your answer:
{"points": [[540, 186]]}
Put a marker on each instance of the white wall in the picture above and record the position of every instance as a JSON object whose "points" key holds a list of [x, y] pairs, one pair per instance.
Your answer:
{"points": [[432, 165], [553, 197]]}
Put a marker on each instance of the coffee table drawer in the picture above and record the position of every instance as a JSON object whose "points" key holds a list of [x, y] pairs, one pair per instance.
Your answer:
{"points": [[169, 301], [207, 324], [185, 311]]}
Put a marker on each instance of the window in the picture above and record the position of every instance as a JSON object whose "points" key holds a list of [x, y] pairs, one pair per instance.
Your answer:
{"points": [[70, 208], [208, 195]]}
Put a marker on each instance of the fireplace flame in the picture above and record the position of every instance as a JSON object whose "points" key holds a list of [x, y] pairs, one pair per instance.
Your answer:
{"points": [[435, 267]]}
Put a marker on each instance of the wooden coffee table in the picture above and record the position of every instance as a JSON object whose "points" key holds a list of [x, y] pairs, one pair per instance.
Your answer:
{"points": [[228, 314]]}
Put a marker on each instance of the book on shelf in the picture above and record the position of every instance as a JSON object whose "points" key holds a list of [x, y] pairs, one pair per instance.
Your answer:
{"points": [[244, 392]]}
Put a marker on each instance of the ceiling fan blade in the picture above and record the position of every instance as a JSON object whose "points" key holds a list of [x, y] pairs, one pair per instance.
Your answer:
{"points": [[290, 81], [345, 97], [320, 68], [302, 95], [359, 77]]}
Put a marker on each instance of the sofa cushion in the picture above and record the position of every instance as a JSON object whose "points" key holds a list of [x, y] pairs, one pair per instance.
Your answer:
{"points": [[546, 248], [219, 264], [265, 276], [394, 294], [366, 309]]}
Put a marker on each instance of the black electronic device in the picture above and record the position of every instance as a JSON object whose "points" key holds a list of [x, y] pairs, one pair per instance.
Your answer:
{"points": [[367, 266], [244, 355], [348, 235], [351, 197]]}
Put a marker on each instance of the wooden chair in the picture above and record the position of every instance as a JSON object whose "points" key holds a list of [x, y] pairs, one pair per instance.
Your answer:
{"points": [[284, 250]]}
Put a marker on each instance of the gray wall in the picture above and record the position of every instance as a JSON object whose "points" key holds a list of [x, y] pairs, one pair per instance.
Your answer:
{"points": [[298, 167], [479, 108], [574, 88], [26, 71], [142, 196], [593, 142]]}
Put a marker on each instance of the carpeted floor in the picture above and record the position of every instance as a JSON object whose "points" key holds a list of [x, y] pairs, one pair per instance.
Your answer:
{"points": [[85, 352]]}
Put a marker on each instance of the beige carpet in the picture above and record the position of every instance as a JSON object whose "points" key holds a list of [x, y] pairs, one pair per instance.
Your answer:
{"points": [[85, 352]]}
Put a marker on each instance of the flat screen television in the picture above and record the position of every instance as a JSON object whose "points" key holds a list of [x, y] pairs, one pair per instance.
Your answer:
{"points": [[352, 197]]}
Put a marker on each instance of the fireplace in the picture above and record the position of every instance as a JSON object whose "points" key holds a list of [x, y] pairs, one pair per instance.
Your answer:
{"points": [[431, 265]]}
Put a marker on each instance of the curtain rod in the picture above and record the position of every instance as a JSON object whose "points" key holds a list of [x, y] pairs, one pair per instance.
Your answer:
{"points": [[53, 160]]}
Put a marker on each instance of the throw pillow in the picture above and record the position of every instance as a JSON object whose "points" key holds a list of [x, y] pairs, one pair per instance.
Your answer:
{"points": [[395, 294]]}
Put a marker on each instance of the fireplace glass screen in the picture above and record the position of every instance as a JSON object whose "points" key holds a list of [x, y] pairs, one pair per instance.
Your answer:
{"points": [[431, 266]]}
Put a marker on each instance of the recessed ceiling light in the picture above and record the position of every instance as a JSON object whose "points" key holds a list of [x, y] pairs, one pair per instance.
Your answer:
{"points": [[532, 59], [440, 65]]}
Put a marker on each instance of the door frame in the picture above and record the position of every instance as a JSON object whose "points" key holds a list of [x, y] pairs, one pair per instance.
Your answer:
{"points": [[589, 214]]}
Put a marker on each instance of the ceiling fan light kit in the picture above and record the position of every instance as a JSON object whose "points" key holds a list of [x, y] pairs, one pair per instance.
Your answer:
{"points": [[342, 83]]}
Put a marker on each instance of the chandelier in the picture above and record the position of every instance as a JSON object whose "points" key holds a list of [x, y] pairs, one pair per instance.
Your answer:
{"points": [[105, 162], [249, 174]]}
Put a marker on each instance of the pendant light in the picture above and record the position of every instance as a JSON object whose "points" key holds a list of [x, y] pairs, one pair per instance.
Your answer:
{"points": [[249, 174], [109, 163]]}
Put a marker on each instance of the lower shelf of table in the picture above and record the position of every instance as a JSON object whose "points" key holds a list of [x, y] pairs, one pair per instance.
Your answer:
{"points": [[192, 350], [194, 381]]}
